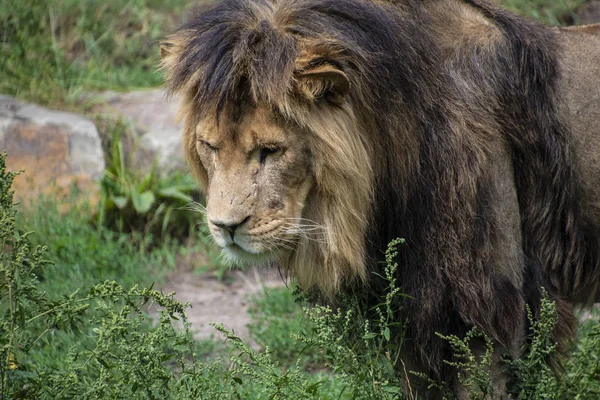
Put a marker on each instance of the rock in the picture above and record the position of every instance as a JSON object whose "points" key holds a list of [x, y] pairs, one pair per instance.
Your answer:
{"points": [[153, 117], [56, 149]]}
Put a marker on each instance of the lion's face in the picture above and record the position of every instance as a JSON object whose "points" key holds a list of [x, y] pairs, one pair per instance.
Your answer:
{"points": [[285, 164], [259, 178]]}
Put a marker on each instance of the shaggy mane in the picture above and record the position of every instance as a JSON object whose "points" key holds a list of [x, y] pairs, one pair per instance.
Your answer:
{"points": [[240, 50]]}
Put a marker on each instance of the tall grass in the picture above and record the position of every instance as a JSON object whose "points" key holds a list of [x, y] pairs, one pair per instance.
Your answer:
{"points": [[53, 50], [553, 12]]}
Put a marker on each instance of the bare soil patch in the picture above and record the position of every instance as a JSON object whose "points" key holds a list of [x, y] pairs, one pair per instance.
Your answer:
{"points": [[225, 301]]}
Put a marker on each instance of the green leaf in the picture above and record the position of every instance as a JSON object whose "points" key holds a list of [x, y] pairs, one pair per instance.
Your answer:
{"points": [[145, 183], [386, 333], [120, 168], [166, 220], [174, 193], [142, 202], [237, 380], [119, 201], [104, 363], [369, 335], [392, 389]]}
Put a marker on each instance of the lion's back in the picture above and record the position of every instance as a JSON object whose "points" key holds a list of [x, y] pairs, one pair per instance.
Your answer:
{"points": [[580, 91]]}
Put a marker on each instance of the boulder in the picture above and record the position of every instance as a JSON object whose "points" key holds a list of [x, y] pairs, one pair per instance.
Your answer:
{"points": [[55, 149], [158, 137]]}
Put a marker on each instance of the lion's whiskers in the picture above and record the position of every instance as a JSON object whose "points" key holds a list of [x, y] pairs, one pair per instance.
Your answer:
{"points": [[283, 242], [210, 238], [300, 219], [226, 259], [194, 206], [311, 231]]}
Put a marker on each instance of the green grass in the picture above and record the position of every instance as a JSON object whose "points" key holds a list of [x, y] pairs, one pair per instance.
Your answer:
{"points": [[52, 51], [553, 12], [82, 253]]}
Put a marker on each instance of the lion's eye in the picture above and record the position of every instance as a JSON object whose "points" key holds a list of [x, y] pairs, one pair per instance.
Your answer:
{"points": [[208, 145], [267, 151]]}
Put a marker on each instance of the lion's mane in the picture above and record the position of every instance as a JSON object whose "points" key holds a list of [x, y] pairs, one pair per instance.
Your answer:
{"points": [[408, 154]]}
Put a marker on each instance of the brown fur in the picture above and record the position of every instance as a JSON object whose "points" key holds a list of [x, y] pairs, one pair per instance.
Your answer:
{"points": [[360, 121]]}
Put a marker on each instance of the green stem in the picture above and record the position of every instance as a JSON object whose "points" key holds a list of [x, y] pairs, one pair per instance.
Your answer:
{"points": [[56, 308]]}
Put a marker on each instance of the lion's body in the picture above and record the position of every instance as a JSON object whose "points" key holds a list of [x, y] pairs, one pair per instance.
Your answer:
{"points": [[323, 129], [580, 92]]}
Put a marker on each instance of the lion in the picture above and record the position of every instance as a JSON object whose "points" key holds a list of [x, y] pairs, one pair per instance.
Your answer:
{"points": [[320, 130]]}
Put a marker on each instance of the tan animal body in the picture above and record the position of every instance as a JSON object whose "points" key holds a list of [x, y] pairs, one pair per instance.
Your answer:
{"points": [[322, 129]]}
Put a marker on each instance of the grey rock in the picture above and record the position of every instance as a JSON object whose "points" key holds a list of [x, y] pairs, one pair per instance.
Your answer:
{"points": [[153, 117], [56, 149]]}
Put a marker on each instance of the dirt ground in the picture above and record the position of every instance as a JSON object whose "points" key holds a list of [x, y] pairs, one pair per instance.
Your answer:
{"points": [[213, 300]]}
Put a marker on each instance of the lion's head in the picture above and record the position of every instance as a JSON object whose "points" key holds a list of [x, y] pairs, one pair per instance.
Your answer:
{"points": [[304, 125], [272, 137]]}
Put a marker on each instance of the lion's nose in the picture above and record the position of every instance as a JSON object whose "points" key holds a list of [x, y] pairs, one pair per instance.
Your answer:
{"points": [[230, 226]]}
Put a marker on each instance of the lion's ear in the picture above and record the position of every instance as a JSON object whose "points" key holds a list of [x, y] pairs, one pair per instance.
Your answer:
{"points": [[325, 81], [172, 46], [166, 48], [170, 54]]}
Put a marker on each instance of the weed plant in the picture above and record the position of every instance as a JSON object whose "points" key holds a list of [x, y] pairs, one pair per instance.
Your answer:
{"points": [[276, 318], [161, 205], [62, 336], [365, 360]]}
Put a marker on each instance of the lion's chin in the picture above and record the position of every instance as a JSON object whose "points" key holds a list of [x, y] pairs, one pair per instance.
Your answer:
{"points": [[236, 255]]}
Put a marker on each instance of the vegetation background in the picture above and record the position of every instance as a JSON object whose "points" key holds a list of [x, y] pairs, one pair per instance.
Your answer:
{"points": [[76, 292]]}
